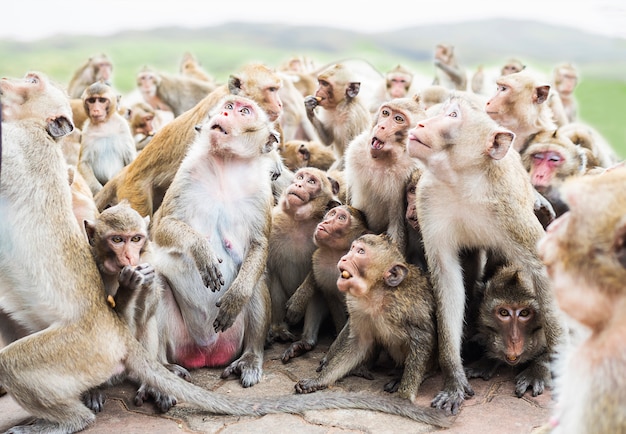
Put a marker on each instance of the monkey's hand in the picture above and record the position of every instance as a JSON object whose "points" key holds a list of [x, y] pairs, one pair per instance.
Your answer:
{"points": [[230, 305], [310, 102], [536, 377], [455, 390], [133, 278], [297, 349], [211, 274], [323, 364], [309, 385]]}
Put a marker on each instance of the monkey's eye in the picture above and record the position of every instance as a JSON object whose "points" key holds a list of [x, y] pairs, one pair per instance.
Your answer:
{"points": [[385, 112], [102, 100], [91, 100], [273, 89], [32, 79], [539, 156], [360, 251], [501, 88], [299, 177], [136, 239], [503, 312], [399, 119], [524, 313], [453, 114], [245, 110], [554, 158], [342, 217], [228, 106], [322, 83], [117, 239], [412, 189], [312, 181]]}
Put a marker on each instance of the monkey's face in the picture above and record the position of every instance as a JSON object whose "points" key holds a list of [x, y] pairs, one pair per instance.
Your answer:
{"points": [[497, 107], [433, 134], [398, 85], [307, 184], [352, 268], [147, 84], [411, 207], [332, 230]]}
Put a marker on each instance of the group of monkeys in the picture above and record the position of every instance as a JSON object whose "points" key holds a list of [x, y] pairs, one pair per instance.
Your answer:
{"points": [[422, 235]]}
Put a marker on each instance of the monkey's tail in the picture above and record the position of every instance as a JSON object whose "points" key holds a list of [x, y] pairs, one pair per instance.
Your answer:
{"points": [[147, 370]]}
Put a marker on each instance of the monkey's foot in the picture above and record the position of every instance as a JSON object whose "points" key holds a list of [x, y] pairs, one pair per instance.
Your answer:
{"points": [[297, 349], [483, 368], [162, 401], [248, 367], [280, 332], [536, 377], [392, 386], [308, 385], [179, 370], [94, 399], [452, 396]]}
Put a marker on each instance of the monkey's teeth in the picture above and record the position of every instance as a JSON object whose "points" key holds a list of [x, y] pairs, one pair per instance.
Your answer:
{"points": [[377, 144]]}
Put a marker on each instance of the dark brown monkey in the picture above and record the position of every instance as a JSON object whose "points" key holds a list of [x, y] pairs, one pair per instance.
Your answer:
{"points": [[294, 219], [300, 153], [476, 195], [318, 294], [509, 326], [80, 340], [96, 68], [106, 143], [341, 115], [584, 251], [378, 167], [147, 178], [448, 73], [390, 304]]}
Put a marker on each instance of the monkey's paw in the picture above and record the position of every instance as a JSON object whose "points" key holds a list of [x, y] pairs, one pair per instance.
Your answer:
{"points": [[162, 401], [310, 102], [248, 367], [229, 306], [179, 370], [135, 277], [297, 349], [451, 398], [308, 385], [535, 377], [280, 332], [94, 399]]}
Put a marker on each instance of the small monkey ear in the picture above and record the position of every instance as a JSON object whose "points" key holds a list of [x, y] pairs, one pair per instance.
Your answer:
{"points": [[334, 184], [90, 228], [395, 275], [619, 244], [541, 94], [234, 85], [499, 144], [60, 127], [332, 203], [353, 89], [272, 139]]}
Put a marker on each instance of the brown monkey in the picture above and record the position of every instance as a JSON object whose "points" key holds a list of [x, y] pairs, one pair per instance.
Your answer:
{"points": [[141, 118], [190, 67], [147, 178], [106, 143], [96, 68], [165, 91], [475, 194], [448, 73], [510, 326], [341, 115], [584, 254], [301, 153], [378, 167], [318, 294], [589, 138], [301, 207], [391, 304], [81, 342]]}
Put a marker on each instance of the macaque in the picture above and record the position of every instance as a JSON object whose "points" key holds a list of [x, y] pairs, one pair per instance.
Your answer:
{"points": [[378, 167], [475, 194], [106, 143], [96, 68], [146, 179], [565, 82], [396, 84], [589, 138], [294, 220], [318, 295], [483, 81], [414, 247], [301, 153], [341, 115], [76, 341], [391, 305], [141, 124], [448, 73], [510, 327], [190, 67], [169, 92], [583, 251]]}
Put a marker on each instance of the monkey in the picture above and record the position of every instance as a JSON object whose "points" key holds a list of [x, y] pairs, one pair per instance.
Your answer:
{"points": [[106, 143], [177, 93], [301, 153], [509, 326], [475, 194], [190, 67], [141, 118], [390, 304], [565, 80], [583, 251], [448, 73], [294, 220], [318, 295], [433, 95], [96, 68], [589, 138], [341, 115], [396, 84], [381, 153], [483, 80], [80, 341], [146, 179], [294, 122], [83, 204], [414, 247]]}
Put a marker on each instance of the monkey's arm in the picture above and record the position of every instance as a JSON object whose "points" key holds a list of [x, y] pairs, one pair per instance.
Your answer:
{"points": [[325, 134], [455, 73], [297, 303], [87, 172]]}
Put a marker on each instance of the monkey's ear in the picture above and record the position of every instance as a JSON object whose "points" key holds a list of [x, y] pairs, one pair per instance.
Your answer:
{"points": [[619, 244], [60, 127], [499, 144], [395, 275], [234, 85], [334, 184], [541, 94], [90, 228], [353, 89], [272, 140]]}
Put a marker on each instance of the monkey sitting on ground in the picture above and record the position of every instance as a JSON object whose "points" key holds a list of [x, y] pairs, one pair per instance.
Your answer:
{"points": [[585, 253], [391, 305], [77, 342], [318, 294]]}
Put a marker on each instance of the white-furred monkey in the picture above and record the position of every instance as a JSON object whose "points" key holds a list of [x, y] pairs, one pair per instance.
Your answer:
{"points": [[211, 235], [397, 84], [146, 179], [391, 306], [58, 292], [106, 143], [475, 194], [378, 167], [336, 111], [96, 68], [584, 251], [448, 73], [301, 206], [318, 294]]}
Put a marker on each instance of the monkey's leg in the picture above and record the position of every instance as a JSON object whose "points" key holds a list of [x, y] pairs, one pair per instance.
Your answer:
{"points": [[421, 348], [257, 322], [316, 311], [298, 302]]}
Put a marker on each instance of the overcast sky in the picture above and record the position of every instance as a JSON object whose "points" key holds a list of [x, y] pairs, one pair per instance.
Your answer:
{"points": [[36, 19]]}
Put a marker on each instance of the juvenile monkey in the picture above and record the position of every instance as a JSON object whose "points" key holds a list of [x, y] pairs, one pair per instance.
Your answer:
{"points": [[106, 144], [293, 222], [57, 292], [381, 154], [300, 153], [318, 294], [341, 115], [475, 194], [584, 253], [390, 304]]}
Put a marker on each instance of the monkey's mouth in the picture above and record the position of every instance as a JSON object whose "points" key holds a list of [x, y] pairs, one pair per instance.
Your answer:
{"points": [[345, 274], [219, 128], [291, 193], [377, 144], [511, 359]]}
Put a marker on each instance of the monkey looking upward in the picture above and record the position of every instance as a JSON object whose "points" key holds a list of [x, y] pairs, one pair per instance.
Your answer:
{"points": [[378, 167]]}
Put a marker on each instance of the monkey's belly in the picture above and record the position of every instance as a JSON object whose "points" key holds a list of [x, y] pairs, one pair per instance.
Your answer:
{"points": [[223, 350]]}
